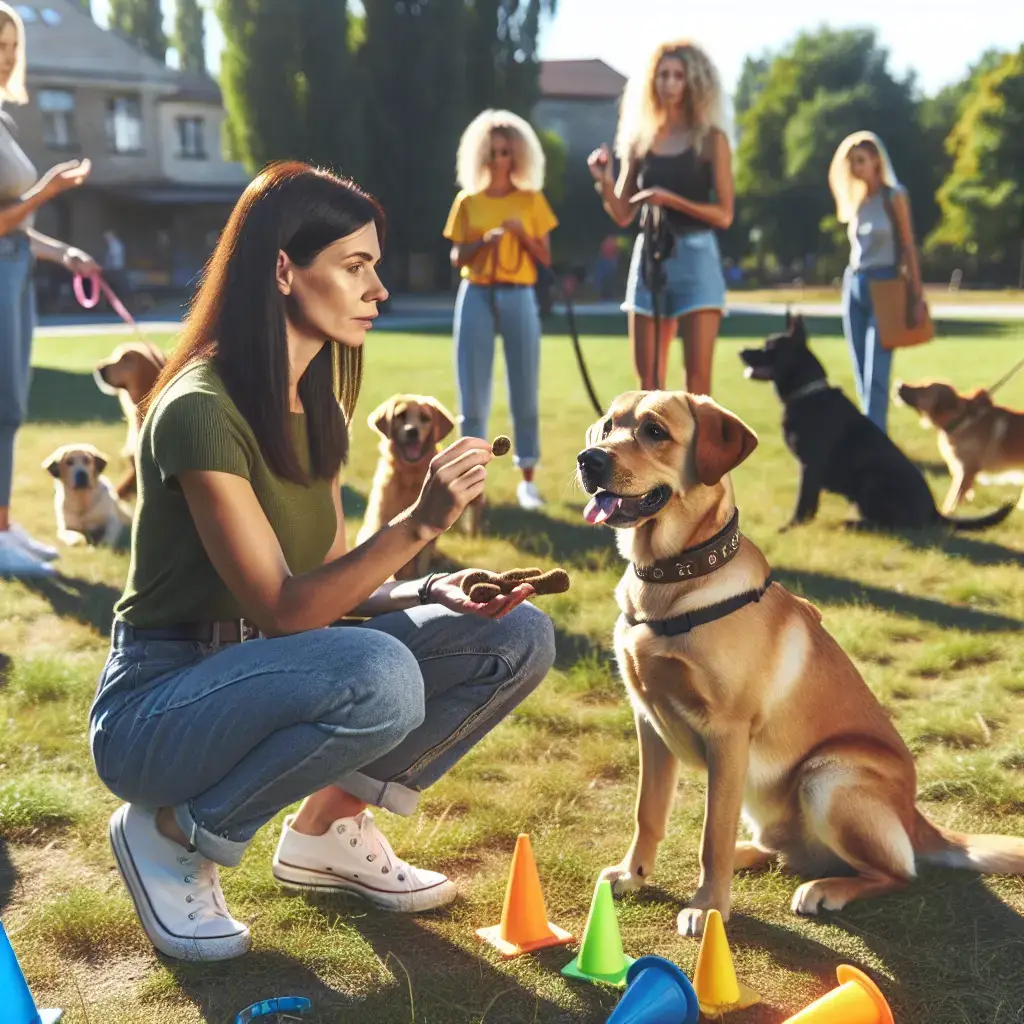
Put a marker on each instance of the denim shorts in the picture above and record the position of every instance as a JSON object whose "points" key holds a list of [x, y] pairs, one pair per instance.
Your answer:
{"points": [[693, 277]]}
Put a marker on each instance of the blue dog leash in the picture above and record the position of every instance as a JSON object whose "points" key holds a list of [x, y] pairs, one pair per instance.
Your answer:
{"points": [[284, 1004]]}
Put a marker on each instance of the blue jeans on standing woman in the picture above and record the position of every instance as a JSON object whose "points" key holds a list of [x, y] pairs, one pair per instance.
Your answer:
{"points": [[871, 362], [17, 321], [518, 320]]}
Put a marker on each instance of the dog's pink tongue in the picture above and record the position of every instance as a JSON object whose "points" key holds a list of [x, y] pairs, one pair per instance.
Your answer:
{"points": [[601, 507]]}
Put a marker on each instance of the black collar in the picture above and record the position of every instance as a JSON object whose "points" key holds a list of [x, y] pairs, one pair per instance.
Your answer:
{"points": [[694, 562], [688, 621], [810, 388]]}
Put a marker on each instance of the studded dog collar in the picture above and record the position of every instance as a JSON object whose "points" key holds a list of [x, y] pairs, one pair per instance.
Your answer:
{"points": [[695, 562]]}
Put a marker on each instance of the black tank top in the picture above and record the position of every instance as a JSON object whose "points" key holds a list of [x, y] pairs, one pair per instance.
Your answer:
{"points": [[686, 174]]}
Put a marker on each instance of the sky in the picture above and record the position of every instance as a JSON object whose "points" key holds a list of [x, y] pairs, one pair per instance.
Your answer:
{"points": [[937, 39]]}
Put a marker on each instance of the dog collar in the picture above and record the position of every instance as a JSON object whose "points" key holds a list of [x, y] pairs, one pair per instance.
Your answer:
{"points": [[692, 563], [958, 421], [810, 388], [688, 621]]}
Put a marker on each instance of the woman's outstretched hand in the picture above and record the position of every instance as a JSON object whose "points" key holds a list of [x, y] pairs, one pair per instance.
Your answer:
{"points": [[448, 592], [600, 164], [455, 477]]}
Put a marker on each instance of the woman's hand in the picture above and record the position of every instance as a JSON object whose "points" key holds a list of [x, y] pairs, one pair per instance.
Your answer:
{"points": [[447, 591], [515, 226], [492, 236], [63, 177], [654, 196], [600, 164], [454, 478], [79, 262]]}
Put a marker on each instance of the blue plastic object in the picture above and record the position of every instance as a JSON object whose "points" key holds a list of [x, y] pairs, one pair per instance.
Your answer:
{"points": [[658, 993], [283, 1004], [16, 1003]]}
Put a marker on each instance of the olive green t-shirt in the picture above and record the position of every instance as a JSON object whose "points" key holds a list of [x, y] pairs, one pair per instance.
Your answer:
{"points": [[194, 424]]}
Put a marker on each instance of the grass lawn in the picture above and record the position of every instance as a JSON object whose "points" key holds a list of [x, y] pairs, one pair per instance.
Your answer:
{"points": [[933, 621]]}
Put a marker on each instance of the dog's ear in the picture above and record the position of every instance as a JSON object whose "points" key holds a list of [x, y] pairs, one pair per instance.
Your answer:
{"points": [[946, 401], [444, 421], [52, 462], [797, 330], [99, 461], [981, 399], [721, 440], [380, 419]]}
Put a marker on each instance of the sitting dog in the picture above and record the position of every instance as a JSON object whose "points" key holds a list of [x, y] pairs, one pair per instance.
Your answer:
{"points": [[85, 503], [839, 448], [976, 437], [410, 428], [130, 372], [731, 673]]}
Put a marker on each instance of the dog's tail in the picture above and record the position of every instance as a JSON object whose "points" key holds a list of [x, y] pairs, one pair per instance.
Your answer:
{"points": [[994, 855], [979, 522]]}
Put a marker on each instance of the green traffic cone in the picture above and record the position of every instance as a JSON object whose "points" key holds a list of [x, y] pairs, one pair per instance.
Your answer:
{"points": [[601, 958]]}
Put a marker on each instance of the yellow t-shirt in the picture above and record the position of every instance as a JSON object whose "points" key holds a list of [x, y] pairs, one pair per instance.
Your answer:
{"points": [[473, 213]]}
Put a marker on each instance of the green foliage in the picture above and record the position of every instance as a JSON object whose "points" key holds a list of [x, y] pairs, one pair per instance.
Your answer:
{"points": [[142, 22], [555, 161], [189, 36]]}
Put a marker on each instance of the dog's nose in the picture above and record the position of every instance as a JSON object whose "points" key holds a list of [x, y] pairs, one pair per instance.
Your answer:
{"points": [[80, 479], [593, 461], [409, 430]]}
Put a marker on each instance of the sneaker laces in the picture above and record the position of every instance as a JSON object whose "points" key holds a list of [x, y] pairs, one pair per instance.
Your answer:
{"points": [[206, 895], [381, 854]]}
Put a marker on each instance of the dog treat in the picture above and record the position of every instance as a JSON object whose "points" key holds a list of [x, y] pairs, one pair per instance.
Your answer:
{"points": [[481, 586], [501, 445]]}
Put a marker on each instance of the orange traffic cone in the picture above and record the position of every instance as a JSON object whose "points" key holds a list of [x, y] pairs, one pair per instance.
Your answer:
{"points": [[524, 920], [718, 990], [856, 1001]]}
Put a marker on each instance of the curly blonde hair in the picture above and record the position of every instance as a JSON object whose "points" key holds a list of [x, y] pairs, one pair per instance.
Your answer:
{"points": [[14, 90], [472, 165], [641, 114]]}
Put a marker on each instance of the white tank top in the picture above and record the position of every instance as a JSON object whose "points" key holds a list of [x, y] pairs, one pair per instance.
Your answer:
{"points": [[17, 172]]}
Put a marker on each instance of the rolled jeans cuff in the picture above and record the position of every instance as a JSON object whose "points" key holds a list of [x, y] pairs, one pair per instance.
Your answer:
{"points": [[392, 796], [225, 852]]}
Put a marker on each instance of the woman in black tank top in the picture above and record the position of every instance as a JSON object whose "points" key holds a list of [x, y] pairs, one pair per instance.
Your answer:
{"points": [[676, 166]]}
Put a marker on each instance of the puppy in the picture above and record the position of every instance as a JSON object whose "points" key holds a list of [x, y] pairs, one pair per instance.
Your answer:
{"points": [[732, 674], [410, 428], [839, 448], [975, 436], [130, 372], [85, 503]]}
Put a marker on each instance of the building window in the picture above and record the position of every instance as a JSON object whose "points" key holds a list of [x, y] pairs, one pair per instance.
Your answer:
{"points": [[191, 138], [124, 124], [58, 109]]}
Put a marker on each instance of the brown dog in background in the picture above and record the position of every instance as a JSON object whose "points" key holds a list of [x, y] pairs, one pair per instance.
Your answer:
{"points": [[976, 437], [129, 373], [758, 694], [410, 428], [85, 504]]}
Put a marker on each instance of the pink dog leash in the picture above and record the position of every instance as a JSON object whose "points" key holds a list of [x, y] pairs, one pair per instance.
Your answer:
{"points": [[99, 287]]}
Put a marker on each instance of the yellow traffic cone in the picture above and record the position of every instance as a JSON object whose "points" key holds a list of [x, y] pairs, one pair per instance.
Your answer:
{"points": [[718, 989]]}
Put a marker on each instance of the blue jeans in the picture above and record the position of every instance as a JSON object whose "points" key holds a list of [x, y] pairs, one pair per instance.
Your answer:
{"points": [[17, 320], [871, 362], [229, 736], [519, 323]]}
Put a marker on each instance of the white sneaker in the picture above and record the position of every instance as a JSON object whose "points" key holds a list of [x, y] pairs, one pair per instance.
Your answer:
{"points": [[36, 548], [528, 496], [353, 855], [17, 562], [176, 893]]}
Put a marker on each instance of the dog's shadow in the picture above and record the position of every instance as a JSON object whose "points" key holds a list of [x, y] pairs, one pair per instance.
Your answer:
{"points": [[63, 396], [85, 601]]}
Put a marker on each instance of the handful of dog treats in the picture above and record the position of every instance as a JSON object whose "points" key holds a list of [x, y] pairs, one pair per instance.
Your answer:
{"points": [[483, 586]]}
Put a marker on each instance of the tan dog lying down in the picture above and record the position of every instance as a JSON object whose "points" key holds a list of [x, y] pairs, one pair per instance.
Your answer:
{"points": [[976, 437], [759, 695], [410, 428], [84, 502]]}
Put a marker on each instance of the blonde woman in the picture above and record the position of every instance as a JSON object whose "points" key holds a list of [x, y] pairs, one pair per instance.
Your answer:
{"points": [[499, 227], [21, 194], [876, 208], [675, 156]]}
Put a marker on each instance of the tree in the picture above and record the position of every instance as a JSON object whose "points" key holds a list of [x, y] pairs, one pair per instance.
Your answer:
{"points": [[751, 82], [982, 200], [141, 21], [189, 36]]}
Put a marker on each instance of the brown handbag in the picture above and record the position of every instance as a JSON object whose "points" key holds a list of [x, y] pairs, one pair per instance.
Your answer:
{"points": [[893, 300]]}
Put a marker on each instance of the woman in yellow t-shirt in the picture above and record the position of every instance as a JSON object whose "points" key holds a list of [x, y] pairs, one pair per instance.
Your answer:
{"points": [[499, 226]]}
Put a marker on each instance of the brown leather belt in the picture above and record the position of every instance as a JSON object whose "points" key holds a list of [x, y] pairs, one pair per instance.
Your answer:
{"points": [[227, 631]]}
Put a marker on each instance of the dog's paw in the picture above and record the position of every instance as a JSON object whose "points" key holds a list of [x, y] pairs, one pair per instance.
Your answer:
{"points": [[622, 878], [690, 921], [72, 538], [812, 897]]}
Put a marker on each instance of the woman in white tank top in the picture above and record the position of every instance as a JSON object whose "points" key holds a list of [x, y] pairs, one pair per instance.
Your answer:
{"points": [[876, 208]]}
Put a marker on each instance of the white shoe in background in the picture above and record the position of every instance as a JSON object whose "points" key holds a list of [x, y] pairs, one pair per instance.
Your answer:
{"points": [[16, 562], [36, 548], [528, 496]]}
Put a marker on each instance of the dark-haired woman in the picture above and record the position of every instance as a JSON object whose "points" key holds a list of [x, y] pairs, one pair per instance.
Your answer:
{"points": [[207, 733]]}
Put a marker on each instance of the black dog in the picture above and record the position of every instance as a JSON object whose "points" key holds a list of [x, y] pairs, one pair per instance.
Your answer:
{"points": [[839, 448]]}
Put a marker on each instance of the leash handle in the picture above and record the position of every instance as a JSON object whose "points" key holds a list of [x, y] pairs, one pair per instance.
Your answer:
{"points": [[99, 287]]}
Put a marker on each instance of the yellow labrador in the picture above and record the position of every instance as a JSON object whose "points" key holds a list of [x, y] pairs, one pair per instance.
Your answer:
{"points": [[85, 503], [732, 674]]}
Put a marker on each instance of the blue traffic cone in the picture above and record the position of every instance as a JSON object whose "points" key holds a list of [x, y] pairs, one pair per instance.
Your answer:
{"points": [[658, 993], [16, 1003]]}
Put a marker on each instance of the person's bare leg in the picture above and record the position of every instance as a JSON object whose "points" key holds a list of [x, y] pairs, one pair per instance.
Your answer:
{"points": [[700, 329], [5, 518], [641, 336]]}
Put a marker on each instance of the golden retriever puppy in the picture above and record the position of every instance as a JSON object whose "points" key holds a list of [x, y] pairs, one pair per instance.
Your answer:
{"points": [[976, 437], [85, 503], [129, 372], [734, 675], [410, 429]]}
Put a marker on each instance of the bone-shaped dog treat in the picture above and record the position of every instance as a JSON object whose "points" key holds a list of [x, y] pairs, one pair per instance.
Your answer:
{"points": [[501, 445], [483, 586]]}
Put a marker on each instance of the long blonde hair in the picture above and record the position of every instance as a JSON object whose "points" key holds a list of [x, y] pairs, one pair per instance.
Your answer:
{"points": [[472, 164], [14, 90], [641, 115], [847, 190]]}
